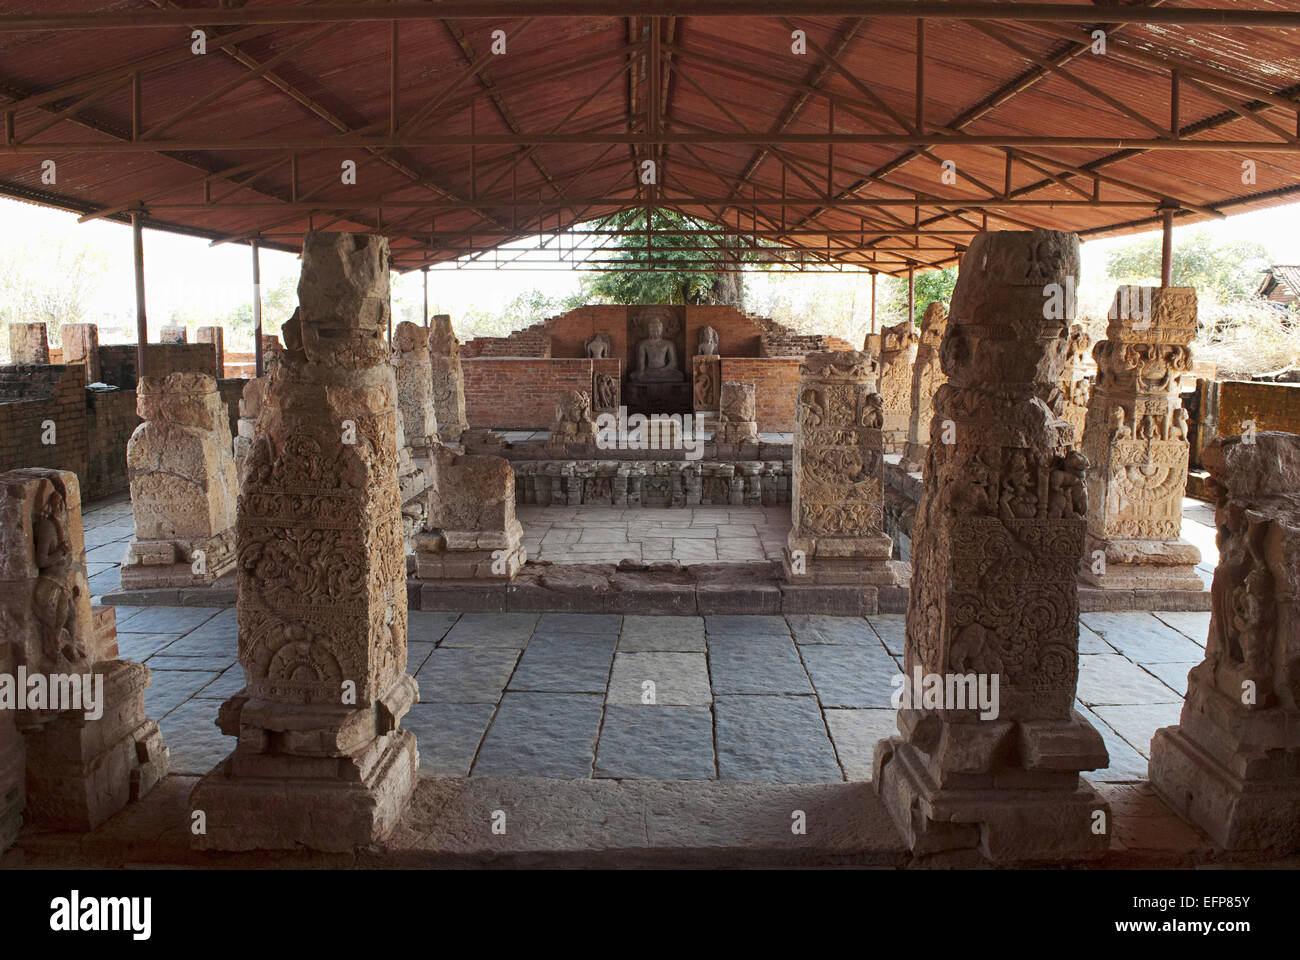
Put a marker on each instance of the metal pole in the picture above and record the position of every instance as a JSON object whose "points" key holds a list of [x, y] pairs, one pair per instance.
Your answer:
{"points": [[911, 294], [141, 318], [257, 309], [1167, 248], [873, 302], [425, 270]]}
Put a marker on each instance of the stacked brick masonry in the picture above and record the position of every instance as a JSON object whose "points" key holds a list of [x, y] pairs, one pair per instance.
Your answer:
{"points": [[31, 396], [110, 421], [1272, 406], [118, 361], [519, 392], [776, 382]]}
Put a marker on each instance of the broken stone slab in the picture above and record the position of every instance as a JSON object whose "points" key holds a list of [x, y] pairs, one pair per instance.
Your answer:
{"points": [[321, 760], [183, 484], [1232, 763]]}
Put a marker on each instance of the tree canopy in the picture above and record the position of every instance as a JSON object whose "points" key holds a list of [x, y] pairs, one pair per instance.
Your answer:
{"points": [[1222, 271]]}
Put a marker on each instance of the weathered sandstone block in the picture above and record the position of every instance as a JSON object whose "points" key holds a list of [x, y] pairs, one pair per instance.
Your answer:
{"points": [[217, 337], [898, 347], [448, 380], [737, 417], [321, 760], [81, 345], [998, 535], [472, 532], [28, 343], [573, 425], [927, 378], [1136, 440], [837, 497], [183, 484], [1232, 762]]}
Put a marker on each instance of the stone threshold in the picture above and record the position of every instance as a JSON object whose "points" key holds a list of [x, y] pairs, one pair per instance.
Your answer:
{"points": [[607, 823], [700, 589]]}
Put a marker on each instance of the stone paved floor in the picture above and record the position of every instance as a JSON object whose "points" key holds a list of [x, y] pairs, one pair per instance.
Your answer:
{"points": [[798, 698], [597, 534]]}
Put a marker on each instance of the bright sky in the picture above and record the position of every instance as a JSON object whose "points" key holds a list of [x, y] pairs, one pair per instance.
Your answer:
{"points": [[184, 274]]}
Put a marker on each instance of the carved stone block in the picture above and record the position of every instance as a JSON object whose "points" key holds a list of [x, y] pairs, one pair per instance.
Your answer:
{"points": [[183, 484], [28, 343], [448, 380], [707, 378], [472, 532], [927, 378], [1136, 440], [837, 495], [998, 533], [737, 414], [1232, 762], [898, 349], [321, 759]]}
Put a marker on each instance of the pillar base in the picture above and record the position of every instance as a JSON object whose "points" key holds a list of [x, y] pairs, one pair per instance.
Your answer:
{"points": [[450, 555], [1233, 772], [80, 772], [285, 812], [1134, 564], [170, 563], [1037, 811]]}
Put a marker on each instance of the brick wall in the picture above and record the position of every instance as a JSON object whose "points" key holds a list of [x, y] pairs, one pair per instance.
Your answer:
{"points": [[110, 421], [1273, 406], [30, 395], [776, 384], [519, 392], [117, 361]]}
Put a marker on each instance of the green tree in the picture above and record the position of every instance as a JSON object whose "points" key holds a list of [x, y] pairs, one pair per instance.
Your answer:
{"points": [[1224, 271], [675, 249], [928, 287], [49, 279]]}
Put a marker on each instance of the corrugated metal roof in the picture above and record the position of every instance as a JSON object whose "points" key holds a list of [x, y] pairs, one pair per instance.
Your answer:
{"points": [[256, 146]]}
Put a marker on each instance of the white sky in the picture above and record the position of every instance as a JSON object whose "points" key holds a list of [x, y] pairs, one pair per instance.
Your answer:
{"points": [[188, 274]]}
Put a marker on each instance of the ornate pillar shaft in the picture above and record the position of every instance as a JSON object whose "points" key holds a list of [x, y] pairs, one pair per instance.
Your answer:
{"points": [[321, 760], [448, 380], [1136, 439], [898, 349], [1232, 763], [927, 378], [991, 745]]}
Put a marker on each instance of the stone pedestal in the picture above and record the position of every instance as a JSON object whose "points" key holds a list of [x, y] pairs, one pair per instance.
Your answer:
{"points": [[183, 484], [321, 759], [998, 535], [737, 431], [448, 380], [472, 531], [927, 378], [78, 770], [1136, 440], [898, 347], [28, 343], [81, 345], [217, 337], [837, 495], [1232, 763]]}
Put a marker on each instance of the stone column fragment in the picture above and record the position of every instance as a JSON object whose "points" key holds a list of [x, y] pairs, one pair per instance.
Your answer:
{"points": [[321, 759], [737, 431], [84, 761], [472, 532], [898, 348], [1136, 440], [28, 343], [81, 345], [448, 380], [927, 378], [998, 535], [838, 494], [1232, 762], [183, 484], [418, 433], [217, 337], [573, 425], [1076, 388]]}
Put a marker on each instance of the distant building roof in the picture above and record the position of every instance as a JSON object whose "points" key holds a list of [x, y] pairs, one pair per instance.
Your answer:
{"points": [[1281, 284]]}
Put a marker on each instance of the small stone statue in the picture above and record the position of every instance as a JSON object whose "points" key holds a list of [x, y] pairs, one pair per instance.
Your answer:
{"points": [[708, 345], [598, 347]]}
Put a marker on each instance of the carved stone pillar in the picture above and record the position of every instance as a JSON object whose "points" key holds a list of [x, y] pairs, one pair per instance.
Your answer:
{"points": [[927, 377], [84, 761], [250, 406], [1232, 763], [321, 760], [1136, 439], [898, 347], [998, 535], [1076, 389], [217, 337], [737, 432], [417, 423], [183, 484], [837, 534], [448, 380]]}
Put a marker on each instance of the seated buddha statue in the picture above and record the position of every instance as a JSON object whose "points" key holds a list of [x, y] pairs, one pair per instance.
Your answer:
{"points": [[656, 358]]}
